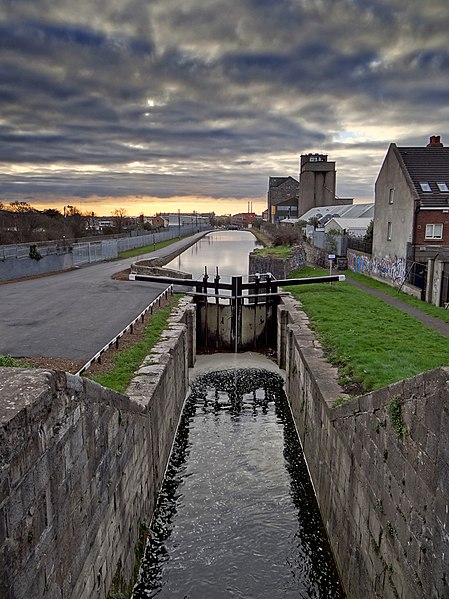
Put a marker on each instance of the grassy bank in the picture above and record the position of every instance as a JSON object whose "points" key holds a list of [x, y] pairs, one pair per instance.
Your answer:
{"points": [[404, 297], [129, 360], [280, 251], [148, 248], [372, 343], [10, 362]]}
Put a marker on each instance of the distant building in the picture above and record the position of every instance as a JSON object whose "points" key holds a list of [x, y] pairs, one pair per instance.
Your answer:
{"points": [[179, 219], [354, 227], [316, 182], [100, 223], [288, 198], [156, 221], [282, 198], [325, 213], [243, 219]]}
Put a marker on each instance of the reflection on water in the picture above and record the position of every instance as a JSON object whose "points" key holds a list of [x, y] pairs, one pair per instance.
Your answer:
{"points": [[228, 250], [237, 516]]}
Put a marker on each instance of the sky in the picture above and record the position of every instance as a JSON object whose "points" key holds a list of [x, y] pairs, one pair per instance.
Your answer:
{"points": [[160, 105]]}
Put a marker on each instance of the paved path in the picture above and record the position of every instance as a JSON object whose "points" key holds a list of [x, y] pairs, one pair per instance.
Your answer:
{"points": [[74, 314], [429, 321]]}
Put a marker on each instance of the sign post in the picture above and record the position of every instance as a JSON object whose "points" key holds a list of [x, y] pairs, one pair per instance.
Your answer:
{"points": [[331, 258]]}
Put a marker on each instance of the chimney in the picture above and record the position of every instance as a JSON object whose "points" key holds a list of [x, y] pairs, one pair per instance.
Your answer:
{"points": [[435, 142]]}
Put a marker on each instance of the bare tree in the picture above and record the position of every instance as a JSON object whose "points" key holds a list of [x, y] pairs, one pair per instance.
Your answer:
{"points": [[119, 217], [76, 221]]}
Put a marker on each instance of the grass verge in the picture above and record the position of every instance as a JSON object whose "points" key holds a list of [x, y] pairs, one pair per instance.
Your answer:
{"points": [[404, 297], [149, 248], [10, 362], [126, 362], [281, 251], [372, 343]]}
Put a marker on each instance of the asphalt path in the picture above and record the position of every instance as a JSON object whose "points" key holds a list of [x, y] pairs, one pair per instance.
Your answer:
{"points": [[74, 314]]}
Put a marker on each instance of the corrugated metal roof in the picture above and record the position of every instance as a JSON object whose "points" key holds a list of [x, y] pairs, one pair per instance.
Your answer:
{"points": [[348, 211], [350, 223]]}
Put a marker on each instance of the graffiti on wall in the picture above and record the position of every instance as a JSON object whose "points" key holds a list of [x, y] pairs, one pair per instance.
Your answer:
{"points": [[359, 263], [391, 268]]}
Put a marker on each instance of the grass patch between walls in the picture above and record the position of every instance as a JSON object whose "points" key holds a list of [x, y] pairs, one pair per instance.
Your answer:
{"points": [[372, 343], [281, 251], [129, 360]]}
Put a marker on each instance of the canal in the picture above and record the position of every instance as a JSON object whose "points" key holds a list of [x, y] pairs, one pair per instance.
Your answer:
{"points": [[237, 515], [228, 250]]}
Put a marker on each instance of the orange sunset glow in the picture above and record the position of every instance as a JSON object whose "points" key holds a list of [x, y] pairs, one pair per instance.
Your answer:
{"points": [[148, 205]]}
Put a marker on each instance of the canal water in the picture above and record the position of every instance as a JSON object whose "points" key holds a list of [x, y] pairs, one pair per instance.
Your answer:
{"points": [[237, 516], [228, 250]]}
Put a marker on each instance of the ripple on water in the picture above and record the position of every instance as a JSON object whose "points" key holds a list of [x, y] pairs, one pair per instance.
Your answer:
{"points": [[237, 516]]}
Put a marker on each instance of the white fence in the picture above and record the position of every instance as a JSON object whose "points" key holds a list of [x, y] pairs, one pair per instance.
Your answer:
{"points": [[84, 253]]}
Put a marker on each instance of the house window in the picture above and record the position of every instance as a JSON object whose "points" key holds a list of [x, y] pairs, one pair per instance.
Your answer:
{"points": [[434, 231], [391, 195], [442, 186], [389, 232], [425, 186]]}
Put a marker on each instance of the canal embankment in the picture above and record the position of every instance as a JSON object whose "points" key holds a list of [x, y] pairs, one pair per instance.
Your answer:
{"points": [[81, 469], [379, 465]]}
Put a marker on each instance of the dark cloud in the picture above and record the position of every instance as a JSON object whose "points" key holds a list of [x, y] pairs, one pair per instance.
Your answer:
{"points": [[126, 96]]}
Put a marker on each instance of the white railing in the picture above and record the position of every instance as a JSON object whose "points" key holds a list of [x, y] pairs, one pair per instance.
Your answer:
{"points": [[129, 327]]}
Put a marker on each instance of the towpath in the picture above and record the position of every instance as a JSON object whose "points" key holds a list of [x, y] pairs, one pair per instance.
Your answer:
{"points": [[73, 314], [429, 321]]}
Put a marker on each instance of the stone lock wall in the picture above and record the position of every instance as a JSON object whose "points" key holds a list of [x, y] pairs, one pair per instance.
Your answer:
{"points": [[278, 267], [380, 468], [81, 466]]}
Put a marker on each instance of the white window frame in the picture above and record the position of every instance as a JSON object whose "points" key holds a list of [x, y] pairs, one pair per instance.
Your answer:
{"points": [[431, 231], [389, 231], [442, 186], [425, 186], [391, 195]]}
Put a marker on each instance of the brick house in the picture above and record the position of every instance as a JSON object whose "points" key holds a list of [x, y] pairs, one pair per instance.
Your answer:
{"points": [[282, 198], [411, 219], [243, 219]]}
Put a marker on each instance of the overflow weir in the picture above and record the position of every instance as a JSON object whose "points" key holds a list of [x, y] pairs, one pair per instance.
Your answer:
{"points": [[82, 466]]}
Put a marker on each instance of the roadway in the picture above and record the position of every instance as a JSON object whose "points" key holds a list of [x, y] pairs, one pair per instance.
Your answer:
{"points": [[74, 314]]}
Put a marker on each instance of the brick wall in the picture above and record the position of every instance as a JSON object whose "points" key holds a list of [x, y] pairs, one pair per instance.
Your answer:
{"points": [[431, 217], [383, 496]]}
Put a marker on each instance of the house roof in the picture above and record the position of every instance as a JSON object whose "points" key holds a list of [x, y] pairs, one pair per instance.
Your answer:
{"points": [[276, 181], [428, 165], [346, 210], [351, 223]]}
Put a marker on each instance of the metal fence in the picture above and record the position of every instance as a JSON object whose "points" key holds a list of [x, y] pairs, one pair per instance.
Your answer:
{"points": [[356, 243], [416, 275], [22, 251], [85, 252]]}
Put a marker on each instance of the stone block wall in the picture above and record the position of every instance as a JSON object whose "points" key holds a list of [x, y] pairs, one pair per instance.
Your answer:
{"points": [[81, 466], [380, 468], [25, 267], [278, 267]]}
